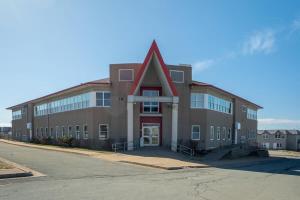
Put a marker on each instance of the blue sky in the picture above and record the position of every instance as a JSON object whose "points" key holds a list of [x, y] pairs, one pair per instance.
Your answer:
{"points": [[251, 48]]}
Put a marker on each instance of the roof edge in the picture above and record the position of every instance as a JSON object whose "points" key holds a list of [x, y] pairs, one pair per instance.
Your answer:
{"points": [[197, 83]]}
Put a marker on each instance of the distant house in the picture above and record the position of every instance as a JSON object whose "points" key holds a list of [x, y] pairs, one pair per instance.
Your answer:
{"points": [[279, 139], [5, 132]]}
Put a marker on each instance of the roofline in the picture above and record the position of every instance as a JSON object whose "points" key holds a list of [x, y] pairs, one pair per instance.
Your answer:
{"points": [[91, 83], [197, 83], [153, 49]]}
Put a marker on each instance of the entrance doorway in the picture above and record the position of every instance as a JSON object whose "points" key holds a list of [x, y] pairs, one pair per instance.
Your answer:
{"points": [[150, 134]]}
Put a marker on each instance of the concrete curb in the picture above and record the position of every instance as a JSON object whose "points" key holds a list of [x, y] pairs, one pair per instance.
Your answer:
{"points": [[24, 171], [165, 168], [15, 175], [48, 147]]}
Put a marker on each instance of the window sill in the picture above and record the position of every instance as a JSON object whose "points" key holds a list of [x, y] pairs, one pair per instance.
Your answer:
{"points": [[150, 114]]}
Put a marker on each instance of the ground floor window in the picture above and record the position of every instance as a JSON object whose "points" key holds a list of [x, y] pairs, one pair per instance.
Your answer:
{"points": [[103, 131], [37, 132], [56, 132], [224, 133], [46, 132], [218, 133], [212, 133], [42, 132], [51, 132], [77, 132], [85, 132], [229, 134], [62, 131], [195, 132], [70, 131]]}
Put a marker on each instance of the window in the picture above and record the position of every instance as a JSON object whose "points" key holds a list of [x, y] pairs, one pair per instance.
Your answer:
{"points": [[56, 132], [212, 133], [177, 76], [224, 133], [37, 132], [62, 131], [85, 132], [77, 132], [51, 132], [197, 100], [265, 136], [277, 135], [151, 107], [17, 114], [229, 134], [219, 104], [46, 132], [103, 131], [218, 133], [70, 131], [125, 74], [103, 99], [251, 114], [42, 132], [195, 132], [66, 104]]}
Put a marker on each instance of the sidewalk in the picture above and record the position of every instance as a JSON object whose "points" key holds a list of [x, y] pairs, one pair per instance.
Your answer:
{"points": [[12, 170], [163, 162]]}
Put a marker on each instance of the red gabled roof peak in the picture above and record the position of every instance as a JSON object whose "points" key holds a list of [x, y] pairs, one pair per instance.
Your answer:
{"points": [[153, 49]]}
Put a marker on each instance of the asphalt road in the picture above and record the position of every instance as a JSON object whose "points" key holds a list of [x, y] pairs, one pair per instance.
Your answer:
{"points": [[70, 176]]}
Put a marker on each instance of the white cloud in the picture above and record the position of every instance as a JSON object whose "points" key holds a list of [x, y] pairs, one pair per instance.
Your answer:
{"points": [[203, 65], [296, 25], [260, 42], [271, 123]]}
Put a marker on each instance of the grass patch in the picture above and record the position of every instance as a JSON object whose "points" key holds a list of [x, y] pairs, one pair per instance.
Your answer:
{"points": [[5, 165]]}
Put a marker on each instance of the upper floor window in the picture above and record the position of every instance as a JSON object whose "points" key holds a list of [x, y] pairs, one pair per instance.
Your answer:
{"points": [[197, 100], [195, 132], [103, 99], [125, 74], [251, 114], [177, 76], [17, 114], [219, 104], [152, 106]]}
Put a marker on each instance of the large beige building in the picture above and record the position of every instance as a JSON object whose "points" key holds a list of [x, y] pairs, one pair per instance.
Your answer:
{"points": [[144, 104]]}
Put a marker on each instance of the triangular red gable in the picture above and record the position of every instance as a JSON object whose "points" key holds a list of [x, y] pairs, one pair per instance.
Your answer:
{"points": [[153, 49]]}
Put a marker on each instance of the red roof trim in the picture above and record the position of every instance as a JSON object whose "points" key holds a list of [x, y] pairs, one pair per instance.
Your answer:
{"points": [[153, 49], [97, 82], [197, 83]]}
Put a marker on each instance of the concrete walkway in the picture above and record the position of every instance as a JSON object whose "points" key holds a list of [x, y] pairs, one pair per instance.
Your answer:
{"points": [[157, 158]]}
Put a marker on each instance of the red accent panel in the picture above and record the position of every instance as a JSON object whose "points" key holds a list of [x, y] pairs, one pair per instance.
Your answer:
{"points": [[153, 49], [157, 120]]}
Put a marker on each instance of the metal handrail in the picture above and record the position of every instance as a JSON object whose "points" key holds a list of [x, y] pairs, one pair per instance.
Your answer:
{"points": [[186, 150], [119, 146]]}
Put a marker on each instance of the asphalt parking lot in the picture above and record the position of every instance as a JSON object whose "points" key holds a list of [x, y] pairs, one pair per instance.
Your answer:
{"points": [[70, 176]]}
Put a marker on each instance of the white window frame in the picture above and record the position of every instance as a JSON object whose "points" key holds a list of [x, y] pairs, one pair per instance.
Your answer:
{"points": [[229, 133], [77, 132], [103, 100], [132, 72], [212, 133], [180, 72], [224, 132], [69, 130], [85, 136], [202, 104], [56, 131], [151, 105], [218, 133], [62, 133], [100, 135], [195, 132]]}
